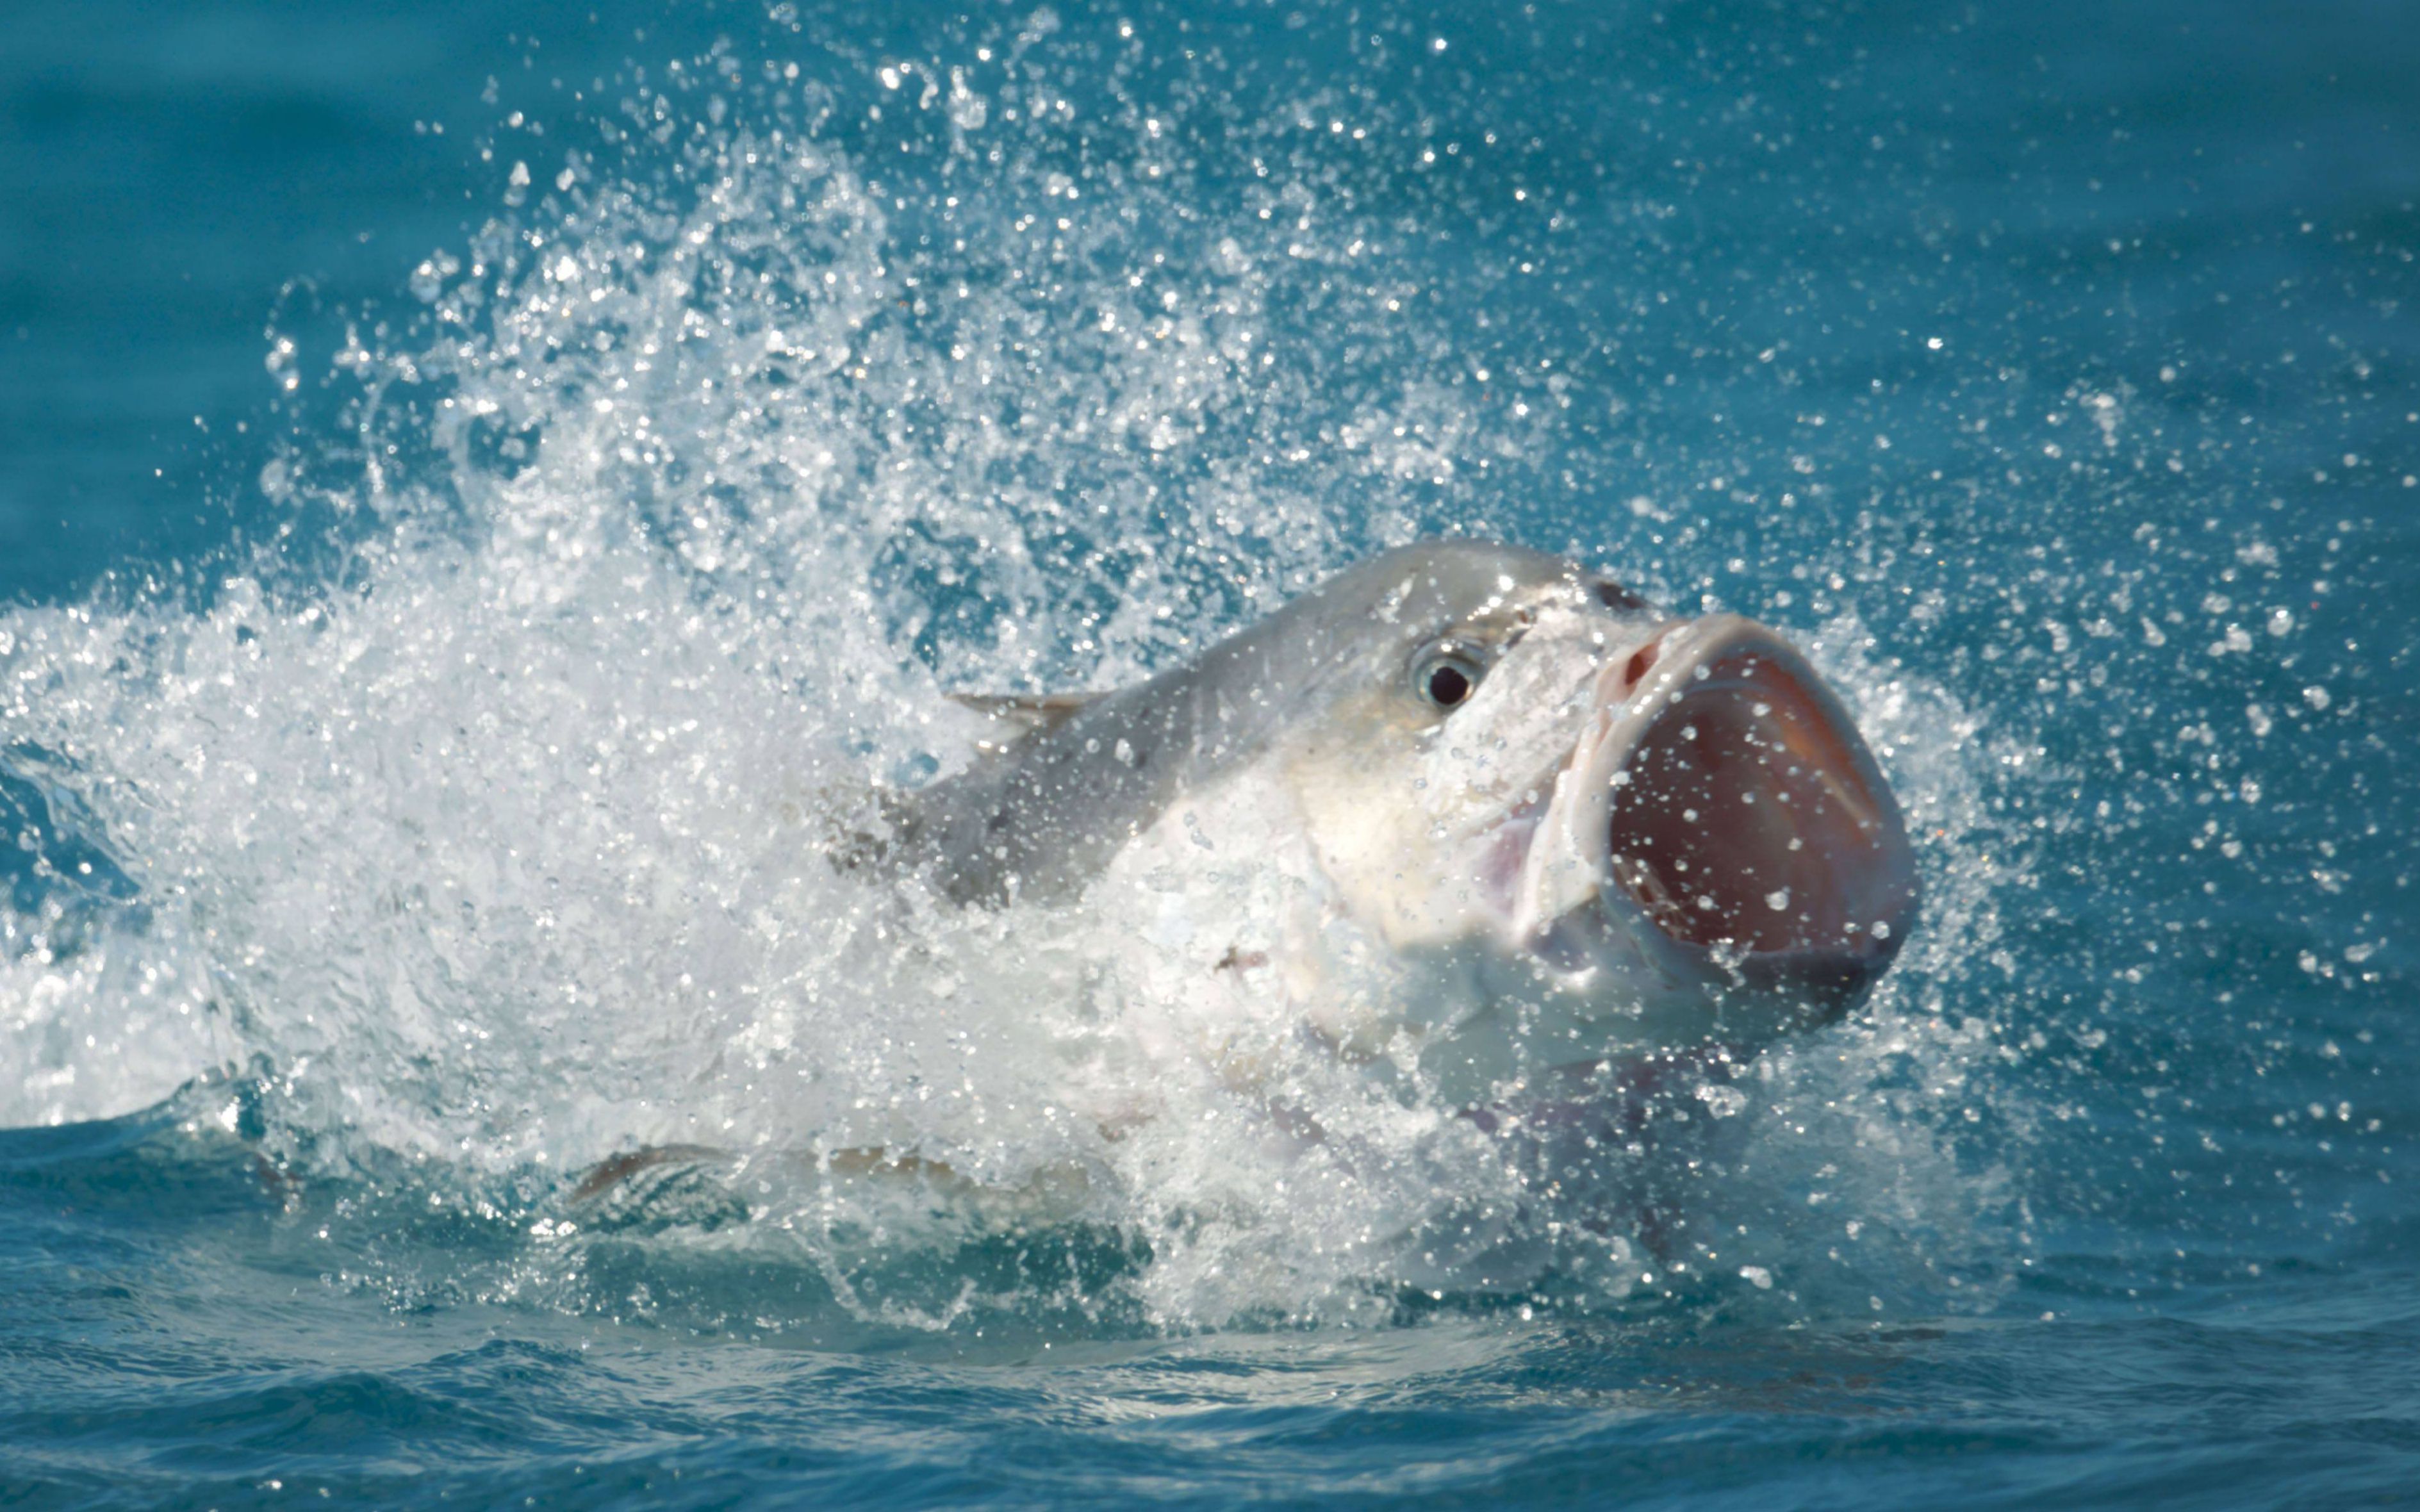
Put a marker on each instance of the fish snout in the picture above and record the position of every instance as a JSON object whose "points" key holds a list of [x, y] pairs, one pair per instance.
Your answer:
{"points": [[1742, 820]]}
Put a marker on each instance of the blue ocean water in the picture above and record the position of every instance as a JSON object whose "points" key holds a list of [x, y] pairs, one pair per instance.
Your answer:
{"points": [[470, 476]]}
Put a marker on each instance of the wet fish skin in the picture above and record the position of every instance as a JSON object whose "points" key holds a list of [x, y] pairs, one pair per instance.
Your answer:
{"points": [[1045, 822]]}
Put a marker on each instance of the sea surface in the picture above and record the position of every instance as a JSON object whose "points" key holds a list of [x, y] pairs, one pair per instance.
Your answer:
{"points": [[474, 478]]}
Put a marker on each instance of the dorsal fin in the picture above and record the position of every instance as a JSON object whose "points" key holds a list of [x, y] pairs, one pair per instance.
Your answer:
{"points": [[1022, 714]]}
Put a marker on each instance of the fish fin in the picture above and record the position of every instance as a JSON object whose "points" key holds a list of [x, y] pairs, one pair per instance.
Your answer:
{"points": [[616, 1170], [1023, 714], [659, 1187]]}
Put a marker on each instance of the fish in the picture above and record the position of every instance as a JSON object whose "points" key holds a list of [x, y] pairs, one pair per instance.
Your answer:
{"points": [[1575, 828], [1474, 817]]}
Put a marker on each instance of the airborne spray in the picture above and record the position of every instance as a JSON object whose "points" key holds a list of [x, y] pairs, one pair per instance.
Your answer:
{"points": [[472, 831]]}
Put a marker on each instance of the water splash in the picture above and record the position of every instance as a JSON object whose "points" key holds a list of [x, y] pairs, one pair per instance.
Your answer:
{"points": [[478, 817]]}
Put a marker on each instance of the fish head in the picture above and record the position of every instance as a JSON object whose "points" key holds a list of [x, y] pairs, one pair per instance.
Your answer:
{"points": [[1594, 827]]}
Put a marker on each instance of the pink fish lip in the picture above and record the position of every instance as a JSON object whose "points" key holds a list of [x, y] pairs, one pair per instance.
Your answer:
{"points": [[1739, 822]]}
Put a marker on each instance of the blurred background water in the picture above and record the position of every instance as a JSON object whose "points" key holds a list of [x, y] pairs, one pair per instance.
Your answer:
{"points": [[392, 402]]}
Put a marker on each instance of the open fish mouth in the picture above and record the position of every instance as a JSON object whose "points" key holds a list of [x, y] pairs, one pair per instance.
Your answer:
{"points": [[1736, 820]]}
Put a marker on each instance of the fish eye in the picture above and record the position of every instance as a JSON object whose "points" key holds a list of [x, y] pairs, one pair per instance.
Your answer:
{"points": [[1445, 676], [1614, 596]]}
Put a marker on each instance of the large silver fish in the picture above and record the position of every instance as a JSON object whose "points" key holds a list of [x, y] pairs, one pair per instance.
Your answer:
{"points": [[1469, 816], [1464, 808]]}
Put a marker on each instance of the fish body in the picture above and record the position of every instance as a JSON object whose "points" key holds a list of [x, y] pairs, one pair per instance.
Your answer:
{"points": [[1466, 811]]}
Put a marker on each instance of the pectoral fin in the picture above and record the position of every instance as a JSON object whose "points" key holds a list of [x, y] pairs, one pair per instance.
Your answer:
{"points": [[611, 1172], [659, 1187]]}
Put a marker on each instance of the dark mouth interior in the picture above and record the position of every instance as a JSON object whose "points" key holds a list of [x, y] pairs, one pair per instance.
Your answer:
{"points": [[1745, 820]]}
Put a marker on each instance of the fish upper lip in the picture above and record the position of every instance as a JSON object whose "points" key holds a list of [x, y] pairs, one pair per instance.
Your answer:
{"points": [[1821, 874]]}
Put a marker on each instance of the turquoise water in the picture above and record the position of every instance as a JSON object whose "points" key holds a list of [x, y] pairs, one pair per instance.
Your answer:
{"points": [[470, 479]]}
